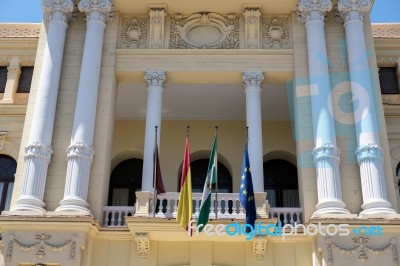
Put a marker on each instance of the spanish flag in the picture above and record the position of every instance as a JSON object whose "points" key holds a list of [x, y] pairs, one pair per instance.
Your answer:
{"points": [[185, 205]]}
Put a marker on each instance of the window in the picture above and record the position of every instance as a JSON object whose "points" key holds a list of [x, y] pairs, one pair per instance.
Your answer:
{"points": [[280, 183], [388, 80], [125, 179], [25, 80], [199, 173], [3, 78], [8, 166]]}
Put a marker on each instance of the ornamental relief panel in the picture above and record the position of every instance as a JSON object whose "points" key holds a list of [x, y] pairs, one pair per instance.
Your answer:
{"points": [[204, 30], [276, 32]]}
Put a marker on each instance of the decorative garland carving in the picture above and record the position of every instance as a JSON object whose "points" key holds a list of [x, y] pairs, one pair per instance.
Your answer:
{"points": [[227, 25], [362, 249], [41, 246], [134, 32], [259, 248], [142, 245], [276, 32]]}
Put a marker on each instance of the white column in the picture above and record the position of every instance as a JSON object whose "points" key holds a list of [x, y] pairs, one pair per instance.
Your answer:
{"points": [[252, 83], [326, 154], [155, 86], [369, 152], [80, 152], [13, 72], [38, 151]]}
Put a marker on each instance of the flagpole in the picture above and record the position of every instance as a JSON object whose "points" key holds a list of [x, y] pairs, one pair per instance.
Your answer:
{"points": [[216, 172], [155, 174]]}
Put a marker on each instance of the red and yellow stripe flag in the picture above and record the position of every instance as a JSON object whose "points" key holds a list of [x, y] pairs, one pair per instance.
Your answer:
{"points": [[185, 205]]}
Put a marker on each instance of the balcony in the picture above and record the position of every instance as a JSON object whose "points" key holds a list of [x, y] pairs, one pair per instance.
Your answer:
{"points": [[227, 206]]}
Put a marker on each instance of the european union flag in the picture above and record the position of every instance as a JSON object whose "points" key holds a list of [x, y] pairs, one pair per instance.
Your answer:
{"points": [[246, 190]]}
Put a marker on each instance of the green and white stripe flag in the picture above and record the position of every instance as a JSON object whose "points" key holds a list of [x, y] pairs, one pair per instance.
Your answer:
{"points": [[210, 180]]}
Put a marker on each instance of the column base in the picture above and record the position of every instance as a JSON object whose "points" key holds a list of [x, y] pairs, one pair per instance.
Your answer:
{"points": [[329, 208], [30, 205], [76, 206], [378, 208]]}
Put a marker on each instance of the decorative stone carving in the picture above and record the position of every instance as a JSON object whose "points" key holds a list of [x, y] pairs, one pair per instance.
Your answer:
{"points": [[204, 30], [305, 7], [259, 248], [276, 32], [252, 27], [41, 246], [3, 137], [370, 152], [253, 79], [346, 10], [97, 9], [157, 16], [59, 9], [155, 78], [362, 249], [142, 245], [37, 150], [80, 150], [134, 32]]}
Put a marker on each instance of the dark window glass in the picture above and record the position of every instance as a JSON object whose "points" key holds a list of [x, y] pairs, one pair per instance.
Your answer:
{"points": [[388, 80], [280, 183], [3, 78], [25, 80], [125, 179], [8, 166]]}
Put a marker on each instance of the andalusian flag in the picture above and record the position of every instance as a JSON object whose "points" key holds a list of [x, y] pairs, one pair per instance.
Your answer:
{"points": [[211, 180], [185, 205]]}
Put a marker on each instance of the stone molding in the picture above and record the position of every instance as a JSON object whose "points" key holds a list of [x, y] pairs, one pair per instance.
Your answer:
{"points": [[101, 10], [155, 79], [305, 7], [62, 10]]}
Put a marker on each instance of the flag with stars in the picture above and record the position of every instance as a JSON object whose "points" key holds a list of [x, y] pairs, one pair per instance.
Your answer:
{"points": [[246, 190]]}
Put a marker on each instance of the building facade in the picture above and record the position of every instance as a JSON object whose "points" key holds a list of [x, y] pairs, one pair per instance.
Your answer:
{"points": [[86, 94]]}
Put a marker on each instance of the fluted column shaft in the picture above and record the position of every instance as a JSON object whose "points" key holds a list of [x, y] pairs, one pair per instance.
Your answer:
{"points": [[38, 151], [326, 154], [80, 152], [369, 152], [155, 86], [252, 81]]}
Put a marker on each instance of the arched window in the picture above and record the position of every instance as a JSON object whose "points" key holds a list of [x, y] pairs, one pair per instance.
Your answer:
{"points": [[125, 179], [8, 166], [280, 183], [199, 172]]}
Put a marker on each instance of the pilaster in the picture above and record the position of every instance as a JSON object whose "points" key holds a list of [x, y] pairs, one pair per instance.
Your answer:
{"points": [[13, 72]]}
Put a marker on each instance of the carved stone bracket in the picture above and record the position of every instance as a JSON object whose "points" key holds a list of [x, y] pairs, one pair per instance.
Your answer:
{"points": [[252, 27], [157, 16], [134, 32], [41, 245], [276, 32], [142, 245], [362, 249], [204, 30], [3, 137], [259, 248]]}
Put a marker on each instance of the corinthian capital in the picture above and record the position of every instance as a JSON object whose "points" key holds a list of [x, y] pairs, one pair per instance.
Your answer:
{"points": [[62, 10], [101, 10], [352, 9], [155, 78], [306, 7], [252, 79]]}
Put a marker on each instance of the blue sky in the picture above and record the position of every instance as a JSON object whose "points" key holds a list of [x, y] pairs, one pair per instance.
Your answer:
{"points": [[387, 11]]}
